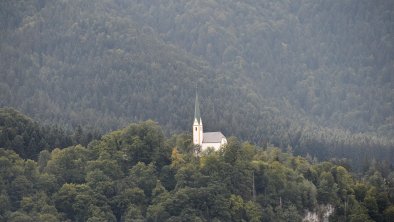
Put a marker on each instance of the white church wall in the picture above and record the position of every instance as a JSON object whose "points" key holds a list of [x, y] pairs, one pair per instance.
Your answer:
{"points": [[197, 132]]}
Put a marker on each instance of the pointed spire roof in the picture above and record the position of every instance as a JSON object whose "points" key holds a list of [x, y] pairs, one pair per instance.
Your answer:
{"points": [[197, 110]]}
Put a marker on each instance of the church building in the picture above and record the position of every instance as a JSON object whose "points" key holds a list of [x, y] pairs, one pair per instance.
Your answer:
{"points": [[208, 139]]}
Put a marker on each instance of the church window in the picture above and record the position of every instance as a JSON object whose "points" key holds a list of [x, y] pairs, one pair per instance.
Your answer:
{"points": [[196, 128]]}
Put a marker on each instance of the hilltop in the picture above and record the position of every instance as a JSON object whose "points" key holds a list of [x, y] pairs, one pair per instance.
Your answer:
{"points": [[138, 174]]}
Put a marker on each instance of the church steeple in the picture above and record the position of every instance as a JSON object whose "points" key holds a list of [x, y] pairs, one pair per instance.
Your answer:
{"points": [[197, 124], [203, 140], [197, 115]]}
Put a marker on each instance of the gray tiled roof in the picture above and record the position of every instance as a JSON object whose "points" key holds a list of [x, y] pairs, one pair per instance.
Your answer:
{"points": [[212, 137]]}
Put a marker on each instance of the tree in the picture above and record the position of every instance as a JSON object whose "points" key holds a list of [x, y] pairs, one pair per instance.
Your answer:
{"points": [[130, 196], [75, 201], [237, 208], [144, 176], [288, 214], [100, 183], [253, 211], [43, 158], [389, 213], [372, 206], [65, 198], [68, 165], [359, 214], [20, 187], [156, 213], [19, 217], [98, 214], [5, 204], [132, 214]]}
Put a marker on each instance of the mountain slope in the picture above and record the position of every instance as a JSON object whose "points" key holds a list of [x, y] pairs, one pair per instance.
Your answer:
{"points": [[100, 68], [332, 61], [311, 75]]}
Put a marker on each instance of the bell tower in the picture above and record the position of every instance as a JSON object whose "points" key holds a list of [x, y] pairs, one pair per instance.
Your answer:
{"points": [[197, 124]]}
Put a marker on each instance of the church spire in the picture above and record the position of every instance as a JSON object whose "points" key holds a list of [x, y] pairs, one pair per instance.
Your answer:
{"points": [[197, 115], [197, 124]]}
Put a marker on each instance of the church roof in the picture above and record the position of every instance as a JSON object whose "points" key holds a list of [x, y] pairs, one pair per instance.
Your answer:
{"points": [[197, 110], [212, 137]]}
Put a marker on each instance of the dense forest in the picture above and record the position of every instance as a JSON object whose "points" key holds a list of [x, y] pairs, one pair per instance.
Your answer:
{"points": [[138, 174], [27, 137], [315, 76], [303, 90]]}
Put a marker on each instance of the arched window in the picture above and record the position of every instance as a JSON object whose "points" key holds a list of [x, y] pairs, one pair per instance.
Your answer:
{"points": [[196, 128]]}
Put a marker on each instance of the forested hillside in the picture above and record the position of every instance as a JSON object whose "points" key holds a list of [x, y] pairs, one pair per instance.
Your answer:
{"points": [[332, 60], [137, 174], [312, 75], [27, 137]]}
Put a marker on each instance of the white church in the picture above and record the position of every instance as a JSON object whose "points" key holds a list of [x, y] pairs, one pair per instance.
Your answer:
{"points": [[208, 139]]}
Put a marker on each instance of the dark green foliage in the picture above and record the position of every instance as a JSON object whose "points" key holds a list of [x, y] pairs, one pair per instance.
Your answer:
{"points": [[28, 138], [310, 77], [306, 74], [121, 177]]}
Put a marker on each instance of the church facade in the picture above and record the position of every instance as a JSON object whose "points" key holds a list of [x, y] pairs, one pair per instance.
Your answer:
{"points": [[209, 139]]}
